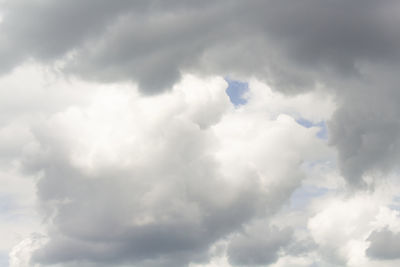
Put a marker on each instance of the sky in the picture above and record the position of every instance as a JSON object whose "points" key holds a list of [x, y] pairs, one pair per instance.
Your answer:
{"points": [[167, 133]]}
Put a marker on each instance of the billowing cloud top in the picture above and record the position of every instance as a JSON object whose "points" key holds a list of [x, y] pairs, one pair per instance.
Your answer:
{"points": [[116, 125]]}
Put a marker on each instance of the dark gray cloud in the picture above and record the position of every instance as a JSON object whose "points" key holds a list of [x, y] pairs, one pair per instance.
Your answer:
{"points": [[152, 42], [258, 246], [365, 128], [385, 245]]}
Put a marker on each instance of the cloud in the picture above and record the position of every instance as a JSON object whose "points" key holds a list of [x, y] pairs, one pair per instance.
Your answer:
{"points": [[347, 229], [294, 46], [259, 246], [117, 113], [384, 245], [159, 39], [138, 180], [21, 254], [364, 128]]}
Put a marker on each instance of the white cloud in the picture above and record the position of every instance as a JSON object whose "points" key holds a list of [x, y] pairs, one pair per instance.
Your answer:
{"points": [[315, 106], [147, 164], [342, 224]]}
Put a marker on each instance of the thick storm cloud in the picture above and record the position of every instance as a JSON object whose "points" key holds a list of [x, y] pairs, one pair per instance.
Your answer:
{"points": [[153, 41]]}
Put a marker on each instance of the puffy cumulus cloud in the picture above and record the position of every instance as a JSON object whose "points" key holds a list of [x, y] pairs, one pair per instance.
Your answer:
{"points": [[125, 179], [348, 48], [348, 229], [300, 106]]}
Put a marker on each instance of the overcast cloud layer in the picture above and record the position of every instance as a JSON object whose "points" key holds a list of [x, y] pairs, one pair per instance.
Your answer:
{"points": [[119, 145]]}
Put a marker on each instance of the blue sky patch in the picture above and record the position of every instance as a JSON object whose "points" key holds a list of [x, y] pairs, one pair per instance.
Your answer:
{"points": [[6, 203], [302, 196], [396, 204], [3, 259], [236, 90], [322, 133]]}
